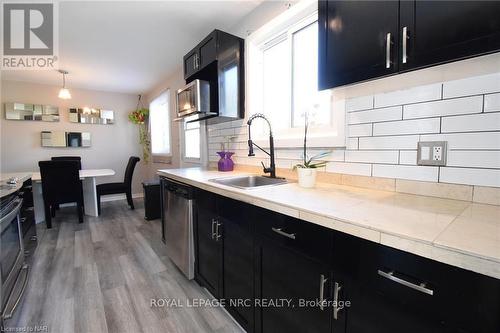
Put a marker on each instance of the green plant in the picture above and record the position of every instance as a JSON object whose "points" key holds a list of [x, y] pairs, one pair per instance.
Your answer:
{"points": [[140, 117], [310, 162]]}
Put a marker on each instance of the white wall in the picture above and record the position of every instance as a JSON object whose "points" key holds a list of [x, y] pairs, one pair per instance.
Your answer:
{"points": [[112, 145]]}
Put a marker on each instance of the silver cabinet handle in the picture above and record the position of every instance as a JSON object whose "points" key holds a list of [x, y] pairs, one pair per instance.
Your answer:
{"points": [[405, 45], [336, 288], [30, 209], [322, 281], [282, 233], [23, 219], [419, 287], [214, 222], [217, 234], [388, 43]]}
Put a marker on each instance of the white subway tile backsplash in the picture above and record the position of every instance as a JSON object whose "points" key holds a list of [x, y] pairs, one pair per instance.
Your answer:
{"points": [[389, 142], [414, 95], [472, 123], [472, 86], [419, 126], [484, 140], [383, 131], [226, 131], [422, 173], [447, 107], [360, 130], [492, 103], [375, 115], [408, 157], [474, 159], [359, 103], [350, 168], [367, 156], [469, 176], [352, 143], [335, 155]]}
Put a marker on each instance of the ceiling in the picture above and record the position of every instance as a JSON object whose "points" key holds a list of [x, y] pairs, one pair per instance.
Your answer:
{"points": [[129, 47]]}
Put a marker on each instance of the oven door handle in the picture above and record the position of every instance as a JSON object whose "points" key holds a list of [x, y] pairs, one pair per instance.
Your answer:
{"points": [[10, 312], [5, 220]]}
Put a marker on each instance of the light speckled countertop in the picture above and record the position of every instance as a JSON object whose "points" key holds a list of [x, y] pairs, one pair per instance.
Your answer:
{"points": [[6, 189], [458, 233]]}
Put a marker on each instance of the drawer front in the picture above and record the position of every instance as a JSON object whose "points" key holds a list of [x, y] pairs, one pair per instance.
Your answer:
{"points": [[301, 236], [395, 291]]}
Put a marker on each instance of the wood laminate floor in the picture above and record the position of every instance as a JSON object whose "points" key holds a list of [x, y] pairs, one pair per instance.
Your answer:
{"points": [[100, 276]]}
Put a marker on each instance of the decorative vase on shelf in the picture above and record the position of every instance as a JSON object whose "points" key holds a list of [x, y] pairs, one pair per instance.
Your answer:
{"points": [[307, 177], [225, 163]]}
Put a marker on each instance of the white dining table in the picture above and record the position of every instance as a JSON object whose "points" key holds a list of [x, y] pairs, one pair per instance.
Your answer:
{"points": [[88, 177]]}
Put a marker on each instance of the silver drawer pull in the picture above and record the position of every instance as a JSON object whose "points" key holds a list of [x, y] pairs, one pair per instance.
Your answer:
{"points": [[336, 308], [217, 234], [214, 233], [322, 281], [405, 45], [419, 287], [282, 233], [388, 50]]}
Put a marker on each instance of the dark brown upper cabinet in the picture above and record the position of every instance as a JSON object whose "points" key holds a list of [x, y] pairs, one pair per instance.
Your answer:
{"points": [[219, 59], [363, 40]]}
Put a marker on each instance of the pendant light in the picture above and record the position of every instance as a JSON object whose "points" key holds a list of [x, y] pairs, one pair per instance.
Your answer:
{"points": [[64, 93]]}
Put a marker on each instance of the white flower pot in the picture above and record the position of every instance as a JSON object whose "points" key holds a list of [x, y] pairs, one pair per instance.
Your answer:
{"points": [[307, 177]]}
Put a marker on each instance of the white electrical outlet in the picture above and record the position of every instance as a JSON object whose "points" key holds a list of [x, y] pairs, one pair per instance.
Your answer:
{"points": [[432, 153], [437, 153]]}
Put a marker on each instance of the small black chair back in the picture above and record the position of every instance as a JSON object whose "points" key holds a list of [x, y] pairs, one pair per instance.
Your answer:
{"points": [[129, 171], [68, 158], [61, 181]]}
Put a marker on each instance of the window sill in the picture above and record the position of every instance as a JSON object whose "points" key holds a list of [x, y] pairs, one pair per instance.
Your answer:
{"points": [[165, 159]]}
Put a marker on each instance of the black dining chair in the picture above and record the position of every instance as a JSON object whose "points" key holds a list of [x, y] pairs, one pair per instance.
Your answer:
{"points": [[60, 184], [68, 158], [118, 188]]}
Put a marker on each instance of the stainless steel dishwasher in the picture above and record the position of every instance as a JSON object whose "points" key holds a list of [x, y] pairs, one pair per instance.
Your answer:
{"points": [[177, 224]]}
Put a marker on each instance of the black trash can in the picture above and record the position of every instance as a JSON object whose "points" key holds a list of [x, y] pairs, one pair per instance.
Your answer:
{"points": [[152, 201]]}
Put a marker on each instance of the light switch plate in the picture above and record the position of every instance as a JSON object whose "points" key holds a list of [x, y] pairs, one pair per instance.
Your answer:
{"points": [[432, 153]]}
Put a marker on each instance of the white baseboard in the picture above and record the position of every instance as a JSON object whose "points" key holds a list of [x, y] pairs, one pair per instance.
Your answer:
{"points": [[115, 197], [106, 198]]}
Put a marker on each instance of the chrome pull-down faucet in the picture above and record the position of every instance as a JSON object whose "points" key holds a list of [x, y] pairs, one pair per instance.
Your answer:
{"points": [[272, 168]]}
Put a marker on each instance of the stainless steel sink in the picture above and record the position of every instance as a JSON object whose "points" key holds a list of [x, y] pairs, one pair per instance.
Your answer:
{"points": [[249, 182]]}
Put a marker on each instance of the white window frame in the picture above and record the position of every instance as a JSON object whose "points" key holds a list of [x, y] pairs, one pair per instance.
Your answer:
{"points": [[203, 144], [156, 157], [296, 18]]}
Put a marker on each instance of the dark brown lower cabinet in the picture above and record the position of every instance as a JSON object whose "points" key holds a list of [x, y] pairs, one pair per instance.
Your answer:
{"points": [[280, 274], [238, 270], [393, 291]]}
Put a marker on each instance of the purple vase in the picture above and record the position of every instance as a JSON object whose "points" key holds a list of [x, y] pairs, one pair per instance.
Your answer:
{"points": [[225, 162]]}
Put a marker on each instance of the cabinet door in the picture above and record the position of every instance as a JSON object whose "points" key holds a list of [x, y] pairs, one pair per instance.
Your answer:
{"points": [[388, 290], [238, 260], [208, 262], [358, 40], [208, 50], [284, 274], [191, 63], [442, 31]]}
